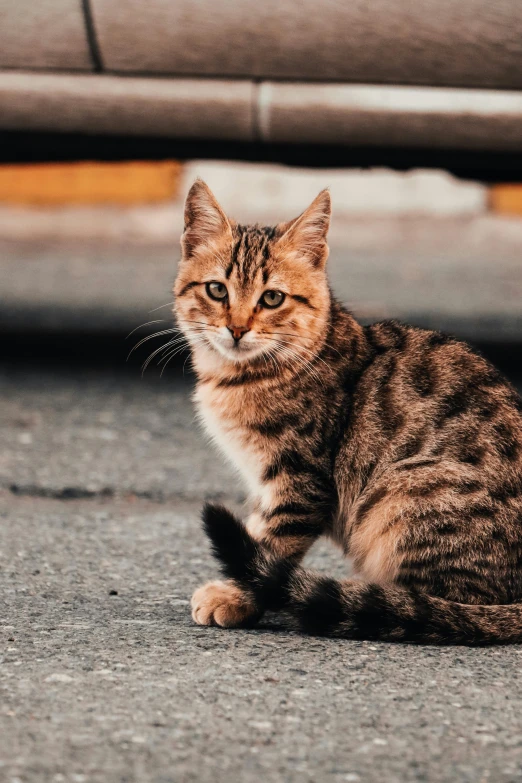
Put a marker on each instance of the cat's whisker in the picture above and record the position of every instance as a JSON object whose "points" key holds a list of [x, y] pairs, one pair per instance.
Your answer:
{"points": [[270, 354], [189, 357], [151, 336], [274, 362], [307, 365], [312, 353], [202, 341], [171, 343], [202, 323], [301, 361], [182, 339], [157, 321], [155, 353], [278, 363], [168, 358], [282, 350], [317, 357], [304, 337], [173, 330], [151, 357], [168, 304]]}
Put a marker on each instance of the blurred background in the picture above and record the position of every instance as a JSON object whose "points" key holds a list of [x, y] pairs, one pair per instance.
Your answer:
{"points": [[411, 112], [110, 109]]}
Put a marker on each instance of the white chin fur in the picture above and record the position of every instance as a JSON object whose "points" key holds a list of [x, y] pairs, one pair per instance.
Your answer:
{"points": [[240, 354]]}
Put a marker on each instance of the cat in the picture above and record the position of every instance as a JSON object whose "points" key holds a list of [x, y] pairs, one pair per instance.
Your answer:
{"points": [[402, 445]]}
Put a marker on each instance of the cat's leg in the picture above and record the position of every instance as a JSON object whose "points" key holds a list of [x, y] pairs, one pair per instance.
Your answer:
{"points": [[283, 530], [294, 510], [224, 602]]}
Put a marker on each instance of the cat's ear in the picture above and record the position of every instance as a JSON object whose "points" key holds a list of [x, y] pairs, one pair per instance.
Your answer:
{"points": [[307, 234], [205, 221]]}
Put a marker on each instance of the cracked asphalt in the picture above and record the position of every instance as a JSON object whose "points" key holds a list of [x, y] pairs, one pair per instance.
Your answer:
{"points": [[103, 675]]}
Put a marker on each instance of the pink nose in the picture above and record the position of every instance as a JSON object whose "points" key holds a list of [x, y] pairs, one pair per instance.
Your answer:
{"points": [[237, 332]]}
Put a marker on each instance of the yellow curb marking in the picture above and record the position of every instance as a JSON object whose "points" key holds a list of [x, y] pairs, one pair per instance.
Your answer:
{"points": [[53, 184], [506, 199]]}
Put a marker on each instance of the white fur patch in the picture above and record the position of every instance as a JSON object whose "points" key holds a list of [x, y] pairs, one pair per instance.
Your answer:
{"points": [[232, 443]]}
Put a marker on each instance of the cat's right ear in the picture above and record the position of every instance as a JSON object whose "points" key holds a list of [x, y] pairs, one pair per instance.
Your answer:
{"points": [[205, 221], [307, 233]]}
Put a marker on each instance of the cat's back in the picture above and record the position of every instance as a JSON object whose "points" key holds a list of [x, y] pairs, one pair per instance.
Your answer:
{"points": [[428, 369], [428, 399]]}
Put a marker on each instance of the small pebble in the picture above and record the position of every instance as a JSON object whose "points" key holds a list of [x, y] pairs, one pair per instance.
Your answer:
{"points": [[58, 678], [260, 725], [113, 592]]}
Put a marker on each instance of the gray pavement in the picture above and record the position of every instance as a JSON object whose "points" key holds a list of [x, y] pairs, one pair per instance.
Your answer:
{"points": [[80, 434], [104, 677]]}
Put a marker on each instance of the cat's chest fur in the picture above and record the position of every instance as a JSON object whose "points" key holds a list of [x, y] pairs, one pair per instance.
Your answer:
{"points": [[226, 417]]}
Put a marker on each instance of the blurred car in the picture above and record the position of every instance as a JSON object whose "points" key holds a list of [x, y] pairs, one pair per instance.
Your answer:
{"points": [[320, 82]]}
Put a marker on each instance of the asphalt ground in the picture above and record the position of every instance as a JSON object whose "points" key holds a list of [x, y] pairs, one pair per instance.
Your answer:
{"points": [[103, 675]]}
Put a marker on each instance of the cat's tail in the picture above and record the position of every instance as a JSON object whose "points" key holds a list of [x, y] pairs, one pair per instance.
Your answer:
{"points": [[351, 609]]}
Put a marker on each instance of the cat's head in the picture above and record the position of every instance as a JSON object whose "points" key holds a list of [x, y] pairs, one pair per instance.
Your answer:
{"points": [[251, 294]]}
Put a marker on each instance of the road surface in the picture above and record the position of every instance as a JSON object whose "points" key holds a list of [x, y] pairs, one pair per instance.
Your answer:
{"points": [[105, 678]]}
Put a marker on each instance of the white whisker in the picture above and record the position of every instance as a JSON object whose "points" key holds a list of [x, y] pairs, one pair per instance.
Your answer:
{"points": [[160, 307], [157, 321], [150, 336], [301, 361], [156, 352], [166, 359], [302, 348]]}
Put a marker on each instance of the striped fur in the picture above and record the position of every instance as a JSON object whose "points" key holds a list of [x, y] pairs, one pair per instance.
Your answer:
{"points": [[402, 445]]}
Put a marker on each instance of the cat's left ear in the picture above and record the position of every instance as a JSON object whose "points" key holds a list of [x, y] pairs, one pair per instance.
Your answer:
{"points": [[307, 234]]}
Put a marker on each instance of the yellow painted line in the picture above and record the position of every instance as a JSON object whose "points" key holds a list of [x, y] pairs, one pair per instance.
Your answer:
{"points": [[134, 182], [506, 199]]}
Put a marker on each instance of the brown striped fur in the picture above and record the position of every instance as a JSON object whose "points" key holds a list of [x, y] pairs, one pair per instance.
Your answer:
{"points": [[401, 444]]}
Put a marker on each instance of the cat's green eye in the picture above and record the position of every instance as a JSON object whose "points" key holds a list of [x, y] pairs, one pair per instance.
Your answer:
{"points": [[272, 299], [217, 291]]}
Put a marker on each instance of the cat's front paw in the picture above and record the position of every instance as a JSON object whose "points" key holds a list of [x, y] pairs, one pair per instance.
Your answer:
{"points": [[223, 604]]}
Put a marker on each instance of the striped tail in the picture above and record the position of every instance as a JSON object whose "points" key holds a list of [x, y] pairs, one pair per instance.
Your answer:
{"points": [[351, 609]]}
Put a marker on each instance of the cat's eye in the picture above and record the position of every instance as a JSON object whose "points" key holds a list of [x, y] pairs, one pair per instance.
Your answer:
{"points": [[217, 291], [272, 299]]}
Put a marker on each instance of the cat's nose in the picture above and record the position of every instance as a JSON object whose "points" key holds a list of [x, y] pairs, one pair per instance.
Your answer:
{"points": [[237, 332]]}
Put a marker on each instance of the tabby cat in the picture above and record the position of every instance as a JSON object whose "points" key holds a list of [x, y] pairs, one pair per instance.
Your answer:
{"points": [[403, 445]]}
